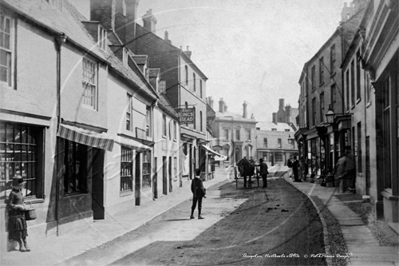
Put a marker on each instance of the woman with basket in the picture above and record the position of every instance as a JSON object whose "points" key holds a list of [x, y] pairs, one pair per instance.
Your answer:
{"points": [[17, 228]]}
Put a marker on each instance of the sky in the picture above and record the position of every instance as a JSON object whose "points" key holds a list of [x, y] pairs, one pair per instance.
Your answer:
{"points": [[250, 50]]}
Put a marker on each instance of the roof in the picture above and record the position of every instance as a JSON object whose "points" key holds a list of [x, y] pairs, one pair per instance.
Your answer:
{"points": [[268, 126], [145, 32], [56, 21], [233, 117], [166, 106]]}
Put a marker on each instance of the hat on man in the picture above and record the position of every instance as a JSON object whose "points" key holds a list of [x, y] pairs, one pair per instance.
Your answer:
{"points": [[18, 182]]}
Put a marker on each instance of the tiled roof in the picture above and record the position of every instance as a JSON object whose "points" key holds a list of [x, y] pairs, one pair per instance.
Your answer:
{"points": [[130, 75], [53, 19], [163, 101]]}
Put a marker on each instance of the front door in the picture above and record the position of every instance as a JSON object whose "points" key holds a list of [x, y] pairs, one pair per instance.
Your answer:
{"points": [[155, 179], [164, 175], [98, 183]]}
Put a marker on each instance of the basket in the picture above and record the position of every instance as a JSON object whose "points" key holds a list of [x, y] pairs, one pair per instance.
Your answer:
{"points": [[30, 214]]}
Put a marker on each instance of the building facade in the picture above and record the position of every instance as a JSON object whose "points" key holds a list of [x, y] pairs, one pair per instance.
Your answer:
{"points": [[275, 142], [320, 144], [235, 134]]}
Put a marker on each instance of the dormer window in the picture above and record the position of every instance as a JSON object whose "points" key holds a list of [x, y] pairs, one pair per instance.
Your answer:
{"points": [[102, 37]]}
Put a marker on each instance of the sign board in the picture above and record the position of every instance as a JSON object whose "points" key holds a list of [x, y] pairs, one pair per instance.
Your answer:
{"points": [[186, 115]]}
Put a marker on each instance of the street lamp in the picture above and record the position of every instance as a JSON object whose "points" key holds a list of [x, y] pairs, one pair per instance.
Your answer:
{"points": [[330, 115]]}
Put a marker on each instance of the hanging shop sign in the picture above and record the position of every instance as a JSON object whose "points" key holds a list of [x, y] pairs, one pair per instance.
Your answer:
{"points": [[186, 115]]}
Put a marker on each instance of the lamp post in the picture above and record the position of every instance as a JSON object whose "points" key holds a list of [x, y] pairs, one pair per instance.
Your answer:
{"points": [[330, 115]]}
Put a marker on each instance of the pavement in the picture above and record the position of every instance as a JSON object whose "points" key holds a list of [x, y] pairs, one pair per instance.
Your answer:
{"points": [[362, 245]]}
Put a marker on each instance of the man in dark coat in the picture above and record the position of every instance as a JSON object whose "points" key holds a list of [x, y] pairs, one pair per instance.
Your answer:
{"points": [[263, 172], [295, 165], [198, 190]]}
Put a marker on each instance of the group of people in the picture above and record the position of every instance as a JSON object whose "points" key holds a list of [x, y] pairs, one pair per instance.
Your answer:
{"points": [[247, 169]]}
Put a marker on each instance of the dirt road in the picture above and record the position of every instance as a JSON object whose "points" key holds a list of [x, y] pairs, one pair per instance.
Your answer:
{"points": [[273, 226]]}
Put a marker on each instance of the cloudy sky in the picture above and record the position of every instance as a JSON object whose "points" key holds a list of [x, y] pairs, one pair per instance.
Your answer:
{"points": [[251, 50]]}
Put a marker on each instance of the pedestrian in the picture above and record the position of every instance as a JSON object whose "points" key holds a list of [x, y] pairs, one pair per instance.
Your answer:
{"points": [[198, 190], [295, 165], [17, 228], [345, 171], [263, 172]]}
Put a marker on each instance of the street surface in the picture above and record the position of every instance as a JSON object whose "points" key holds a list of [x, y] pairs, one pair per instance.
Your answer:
{"points": [[273, 226]]}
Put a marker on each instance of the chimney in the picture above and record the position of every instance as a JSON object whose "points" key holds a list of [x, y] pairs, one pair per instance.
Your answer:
{"points": [[188, 52], [275, 118], [131, 19], [210, 102], [244, 109], [167, 37], [225, 107], [149, 21], [281, 104], [347, 12], [252, 116], [103, 11], [221, 105]]}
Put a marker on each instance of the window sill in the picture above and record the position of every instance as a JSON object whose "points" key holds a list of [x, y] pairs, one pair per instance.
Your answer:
{"points": [[353, 107], [333, 74], [358, 100], [368, 105], [321, 84], [89, 107]]}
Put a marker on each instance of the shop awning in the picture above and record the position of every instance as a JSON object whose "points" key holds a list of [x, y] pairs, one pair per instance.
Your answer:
{"points": [[134, 144], [218, 156], [86, 137]]}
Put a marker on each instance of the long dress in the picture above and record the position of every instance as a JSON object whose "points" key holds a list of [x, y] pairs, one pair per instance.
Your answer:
{"points": [[17, 228]]}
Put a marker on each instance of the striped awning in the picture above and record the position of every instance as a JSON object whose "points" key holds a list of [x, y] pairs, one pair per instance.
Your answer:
{"points": [[86, 137]]}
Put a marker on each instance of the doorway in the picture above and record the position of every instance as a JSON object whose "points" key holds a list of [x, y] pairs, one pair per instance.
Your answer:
{"points": [[137, 179]]}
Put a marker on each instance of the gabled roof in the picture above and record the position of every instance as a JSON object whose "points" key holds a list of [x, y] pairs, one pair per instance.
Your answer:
{"points": [[53, 20]]}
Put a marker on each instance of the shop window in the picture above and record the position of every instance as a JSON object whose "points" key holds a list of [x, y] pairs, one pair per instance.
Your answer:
{"points": [[126, 169], [20, 146], [146, 169], [76, 166]]}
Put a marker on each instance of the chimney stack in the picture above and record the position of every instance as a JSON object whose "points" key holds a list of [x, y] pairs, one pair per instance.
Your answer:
{"points": [[281, 104], [244, 107], [275, 118], [210, 102], [167, 37], [221, 105], [149, 21], [188, 52]]}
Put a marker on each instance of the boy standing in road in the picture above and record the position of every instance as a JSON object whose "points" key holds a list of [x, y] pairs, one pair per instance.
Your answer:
{"points": [[198, 190]]}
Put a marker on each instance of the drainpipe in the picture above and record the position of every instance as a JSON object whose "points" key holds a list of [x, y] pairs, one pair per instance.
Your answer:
{"points": [[58, 41]]}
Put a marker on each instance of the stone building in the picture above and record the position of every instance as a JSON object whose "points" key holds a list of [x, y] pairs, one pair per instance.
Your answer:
{"points": [[235, 134]]}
